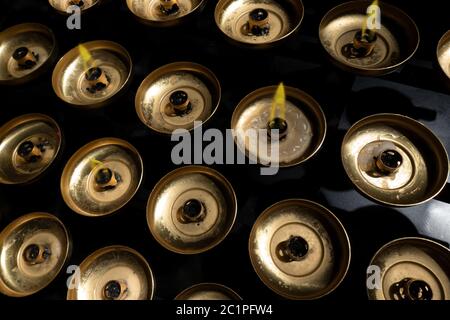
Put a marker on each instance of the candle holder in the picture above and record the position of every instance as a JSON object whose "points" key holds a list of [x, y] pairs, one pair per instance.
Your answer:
{"points": [[394, 160], [101, 177], [27, 51], [299, 249], [191, 210], [443, 57], [412, 269], [368, 52], [113, 273], [300, 135], [176, 95], [208, 291], [93, 75], [258, 24], [165, 13], [34, 249], [62, 5], [28, 146]]}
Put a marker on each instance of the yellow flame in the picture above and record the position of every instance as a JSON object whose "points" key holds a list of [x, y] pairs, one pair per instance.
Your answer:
{"points": [[366, 20], [86, 57], [95, 163], [279, 102]]}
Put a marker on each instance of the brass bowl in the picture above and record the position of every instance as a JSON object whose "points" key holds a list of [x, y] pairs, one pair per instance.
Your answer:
{"points": [[397, 40], [208, 291], [113, 273], [34, 249], [71, 77], [306, 126], [273, 21], [62, 5], [27, 51], [174, 12], [191, 209], [154, 96], [394, 160], [410, 269], [28, 146], [299, 249], [443, 55], [85, 185]]}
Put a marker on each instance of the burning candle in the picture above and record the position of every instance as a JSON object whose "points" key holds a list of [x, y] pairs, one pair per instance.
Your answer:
{"points": [[169, 7], [97, 79], [278, 122], [258, 23], [25, 58]]}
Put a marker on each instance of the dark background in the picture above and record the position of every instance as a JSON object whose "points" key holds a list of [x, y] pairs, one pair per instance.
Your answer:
{"points": [[299, 62]]}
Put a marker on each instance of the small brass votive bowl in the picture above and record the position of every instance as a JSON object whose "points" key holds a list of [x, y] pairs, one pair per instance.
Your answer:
{"points": [[397, 39], [113, 273], [63, 6], [176, 95], [28, 146], [88, 190], [410, 269], [299, 249], [443, 56], [96, 82], [208, 291], [301, 135], [33, 250], [394, 160], [27, 51], [191, 210], [165, 13], [258, 24]]}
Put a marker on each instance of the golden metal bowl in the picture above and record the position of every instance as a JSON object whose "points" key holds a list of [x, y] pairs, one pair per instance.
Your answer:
{"points": [[396, 41], [256, 23], [28, 146], [208, 291], [299, 249], [101, 177], [306, 126], [394, 160], [410, 269], [62, 6], [191, 209], [159, 95], [113, 273], [164, 13], [443, 55], [34, 249], [27, 51], [92, 75]]}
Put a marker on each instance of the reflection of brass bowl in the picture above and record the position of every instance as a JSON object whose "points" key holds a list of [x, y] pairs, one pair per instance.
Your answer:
{"points": [[191, 209], [63, 5], [423, 162], [70, 77], [28, 146], [397, 40], [85, 187], [306, 125], [153, 98], [34, 249], [153, 13], [208, 291], [113, 273], [27, 51], [234, 19], [410, 269], [443, 55], [299, 249]]}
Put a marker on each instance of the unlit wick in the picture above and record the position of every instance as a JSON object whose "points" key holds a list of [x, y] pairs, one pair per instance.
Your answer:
{"points": [[258, 22], [169, 7], [97, 79], [25, 58]]}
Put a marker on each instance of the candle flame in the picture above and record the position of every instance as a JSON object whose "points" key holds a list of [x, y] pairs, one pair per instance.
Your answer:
{"points": [[94, 163], [86, 56], [370, 14], [279, 102]]}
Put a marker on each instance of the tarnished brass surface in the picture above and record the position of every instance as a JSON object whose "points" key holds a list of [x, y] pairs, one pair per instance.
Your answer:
{"points": [[424, 164], [33, 251], [208, 291], [35, 38], [397, 40], [164, 13], [316, 263], [69, 76], [306, 125], [412, 269], [83, 189], [212, 219], [233, 19], [43, 137], [443, 55], [63, 5], [153, 104], [113, 273]]}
